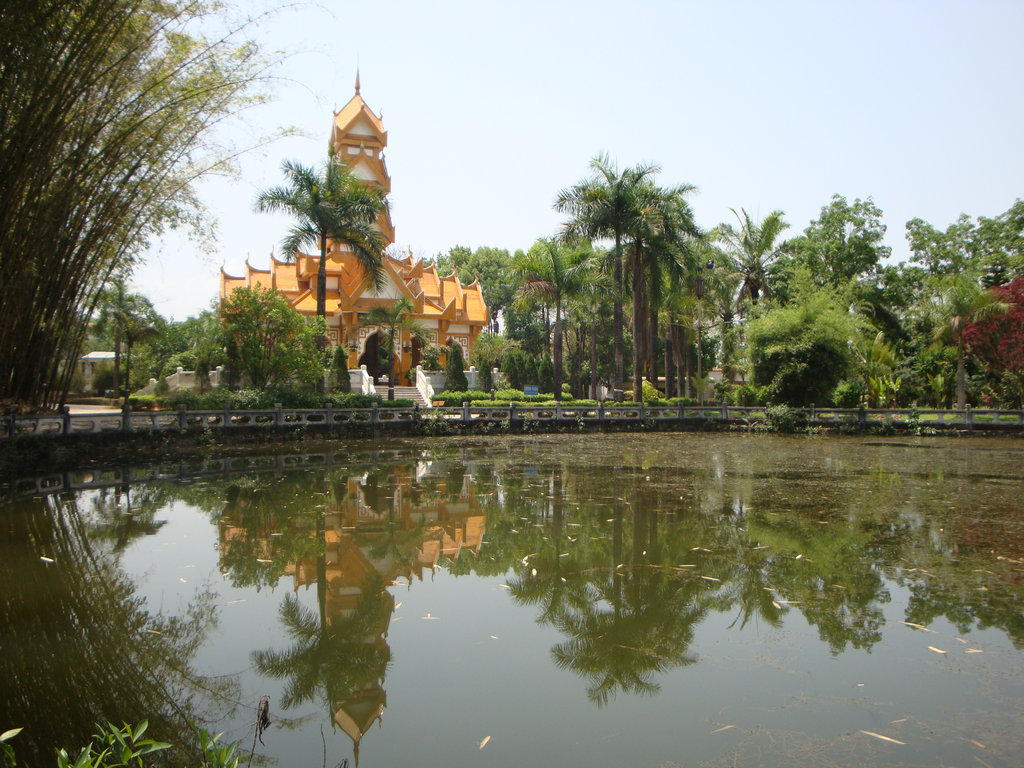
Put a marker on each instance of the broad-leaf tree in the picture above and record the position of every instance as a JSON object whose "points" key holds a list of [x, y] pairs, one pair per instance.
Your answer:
{"points": [[268, 341]]}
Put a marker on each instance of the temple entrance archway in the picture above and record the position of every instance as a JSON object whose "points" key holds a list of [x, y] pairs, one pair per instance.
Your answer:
{"points": [[375, 356]]}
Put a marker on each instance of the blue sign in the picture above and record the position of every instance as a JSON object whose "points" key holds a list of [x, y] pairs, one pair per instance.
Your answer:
{"points": [[530, 389]]}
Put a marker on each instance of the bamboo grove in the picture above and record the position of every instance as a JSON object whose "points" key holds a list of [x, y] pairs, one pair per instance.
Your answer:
{"points": [[106, 116]]}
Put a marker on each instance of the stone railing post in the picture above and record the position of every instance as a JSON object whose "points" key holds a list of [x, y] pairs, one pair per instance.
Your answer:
{"points": [[812, 414], [66, 419], [465, 412], [126, 416], [226, 419], [330, 413], [182, 417], [862, 416], [969, 417], [600, 411], [278, 416]]}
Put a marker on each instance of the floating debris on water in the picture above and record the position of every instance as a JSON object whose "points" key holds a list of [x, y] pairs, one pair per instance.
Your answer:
{"points": [[884, 738], [918, 626]]}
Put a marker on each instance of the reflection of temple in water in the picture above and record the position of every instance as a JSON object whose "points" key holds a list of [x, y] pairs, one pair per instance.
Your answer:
{"points": [[394, 522]]}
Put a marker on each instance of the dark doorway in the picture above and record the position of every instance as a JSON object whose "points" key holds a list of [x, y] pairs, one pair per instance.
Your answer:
{"points": [[375, 358]]}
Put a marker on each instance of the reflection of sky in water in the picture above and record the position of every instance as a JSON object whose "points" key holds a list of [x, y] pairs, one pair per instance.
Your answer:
{"points": [[468, 661]]}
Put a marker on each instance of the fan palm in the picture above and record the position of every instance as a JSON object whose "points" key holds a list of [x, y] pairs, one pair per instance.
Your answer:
{"points": [[330, 205], [607, 206]]}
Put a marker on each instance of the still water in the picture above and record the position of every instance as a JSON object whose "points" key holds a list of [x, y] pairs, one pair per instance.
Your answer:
{"points": [[599, 600]]}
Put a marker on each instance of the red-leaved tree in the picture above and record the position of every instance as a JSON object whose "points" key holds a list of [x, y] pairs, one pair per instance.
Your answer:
{"points": [[999, 340]]}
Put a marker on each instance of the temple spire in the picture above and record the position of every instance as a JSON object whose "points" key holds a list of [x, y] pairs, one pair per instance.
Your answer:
{"points": [[357, 80]]}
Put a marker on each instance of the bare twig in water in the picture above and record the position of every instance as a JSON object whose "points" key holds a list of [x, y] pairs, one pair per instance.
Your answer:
{"points": [[261, 724]]}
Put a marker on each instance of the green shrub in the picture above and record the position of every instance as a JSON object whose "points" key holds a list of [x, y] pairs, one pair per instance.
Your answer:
{"points": [[430, 360], [458, 397], [103, 378], [510, 394], [398, 402], [250, 400], [454, 368], [144, 402], [849, 393], [748, 394], [355, 400], [686, 402], [785, 420]]}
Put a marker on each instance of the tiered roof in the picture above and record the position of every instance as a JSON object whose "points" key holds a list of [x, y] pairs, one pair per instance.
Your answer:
{"points": [[350, 289]]}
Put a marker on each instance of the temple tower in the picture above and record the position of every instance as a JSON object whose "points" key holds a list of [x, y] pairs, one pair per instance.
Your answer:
{"points": [[359, 138]]}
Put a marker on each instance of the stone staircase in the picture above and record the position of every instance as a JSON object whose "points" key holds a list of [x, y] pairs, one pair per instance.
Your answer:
{"points": [[403, 393]]}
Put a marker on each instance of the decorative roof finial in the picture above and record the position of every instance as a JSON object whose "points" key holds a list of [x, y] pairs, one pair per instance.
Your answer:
{"points": [[357, 80]]}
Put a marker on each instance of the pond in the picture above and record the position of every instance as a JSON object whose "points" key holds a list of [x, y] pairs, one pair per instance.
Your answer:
{"points": [[642, 600]]}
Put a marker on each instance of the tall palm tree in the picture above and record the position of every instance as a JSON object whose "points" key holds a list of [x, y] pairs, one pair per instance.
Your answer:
{"points": [[397, 321], [752, 248], [553, 272], [334, 204], [661, 236], [607, 206]]}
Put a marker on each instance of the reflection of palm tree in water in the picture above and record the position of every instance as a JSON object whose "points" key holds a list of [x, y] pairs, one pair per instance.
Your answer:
{"points": [[637, 623], [345, 655], [625, 625]]}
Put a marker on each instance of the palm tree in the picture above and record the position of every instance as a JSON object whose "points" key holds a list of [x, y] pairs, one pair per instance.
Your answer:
{"points": [[661, 236], [397, 320], [961, 301], [131, 318], [607, 206], [752, 248], [553, 272], [332, 205]]}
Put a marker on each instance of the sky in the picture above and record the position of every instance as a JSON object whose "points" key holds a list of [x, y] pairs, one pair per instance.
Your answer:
{"points": [[492, 107]]}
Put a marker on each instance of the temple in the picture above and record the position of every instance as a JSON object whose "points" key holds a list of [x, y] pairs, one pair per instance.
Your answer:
{"points": [[447, 309]]}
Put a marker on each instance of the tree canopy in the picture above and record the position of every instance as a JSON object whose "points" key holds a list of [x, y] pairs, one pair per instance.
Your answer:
{"points": [[106, 107]]}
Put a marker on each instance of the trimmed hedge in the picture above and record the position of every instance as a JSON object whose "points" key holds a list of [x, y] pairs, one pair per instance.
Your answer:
{"points": [[262, 400]]}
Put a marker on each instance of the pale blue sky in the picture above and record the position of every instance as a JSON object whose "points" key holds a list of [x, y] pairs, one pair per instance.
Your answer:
{"points": [[491, 108]]}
